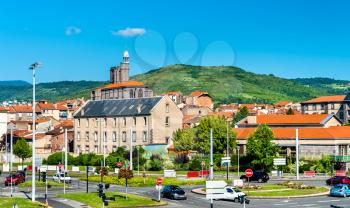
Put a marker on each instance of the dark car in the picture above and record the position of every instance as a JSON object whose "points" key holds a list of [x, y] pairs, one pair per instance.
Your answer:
{"points": [[337, 180], [14, 179], [173, 192], [260, 176]]}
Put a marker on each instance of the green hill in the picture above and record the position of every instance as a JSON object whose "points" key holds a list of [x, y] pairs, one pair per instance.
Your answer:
{"points": [[225, 84], [231, 84]]}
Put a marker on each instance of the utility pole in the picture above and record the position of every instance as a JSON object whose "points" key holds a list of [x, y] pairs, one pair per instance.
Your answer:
{"points": [[138, 160], [297, 152], [211, 168], [33, 67], [11, 143], [66, 148], [227, 150], [238, 160], [104, 143], [130, 149]]}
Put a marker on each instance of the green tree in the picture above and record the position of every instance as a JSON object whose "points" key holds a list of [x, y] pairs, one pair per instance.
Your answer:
{"points": [[22, 150], [261, 148], [241, 114], [290, 112], [220, 132], [183, 140]]}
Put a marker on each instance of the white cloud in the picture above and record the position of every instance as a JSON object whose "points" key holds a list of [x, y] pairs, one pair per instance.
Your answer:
{"points": [[72, 31], [129, 32]]}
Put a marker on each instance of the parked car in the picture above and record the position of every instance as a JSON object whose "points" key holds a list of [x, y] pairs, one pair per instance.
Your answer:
{"points": [[61, 177], [15, 179], [234, 194], [22, 173], [260, 176], [340, 190], [173, 192], [337, 180]]}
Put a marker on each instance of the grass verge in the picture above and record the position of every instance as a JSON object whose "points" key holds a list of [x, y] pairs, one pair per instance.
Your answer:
{"points": [[93, 200], [41, 184], [143, 182], [21, 202], [291, 192]]}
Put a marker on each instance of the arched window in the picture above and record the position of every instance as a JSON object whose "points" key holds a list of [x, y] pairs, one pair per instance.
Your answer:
{"points": [[140, 93], [131, 94]]}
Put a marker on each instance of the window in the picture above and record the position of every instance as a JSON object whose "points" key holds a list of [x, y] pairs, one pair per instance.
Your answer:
{"points": [[96, 149], [114, 148], [115, 122], [78, 136], [131, 94], [105, 121], [134, 120], [322, 107], [124, 121], [96, 136], [105, 136], [145, 120], [87, 123], [140, 93], [134, 136], [144, 136], [332, 106], [167, 121], [314, 107], [167, 108], [78, 122], [114, 136], [167, 139], [87, 148], [124, 136], [87, 135]]}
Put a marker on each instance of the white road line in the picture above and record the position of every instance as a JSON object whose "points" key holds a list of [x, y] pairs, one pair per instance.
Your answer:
{"points": [[308, 205], [333, 200]]}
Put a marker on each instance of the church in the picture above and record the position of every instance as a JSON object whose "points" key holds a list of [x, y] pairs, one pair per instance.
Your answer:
{"points": [[120, 87]]}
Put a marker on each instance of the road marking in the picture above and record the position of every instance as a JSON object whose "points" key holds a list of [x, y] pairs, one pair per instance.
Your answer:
{"points": [[333, 200], [308, 205]]}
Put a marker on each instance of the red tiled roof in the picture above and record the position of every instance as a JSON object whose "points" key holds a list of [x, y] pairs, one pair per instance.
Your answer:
{"points": [[282, 103], [23, 109], [46, 106], [124, 84], [225, 114], [198, 93], [291, 119], [336, 132], [333, 98]]}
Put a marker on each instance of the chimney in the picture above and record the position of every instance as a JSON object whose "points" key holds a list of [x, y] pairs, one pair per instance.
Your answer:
{"points": [[139, 109]]}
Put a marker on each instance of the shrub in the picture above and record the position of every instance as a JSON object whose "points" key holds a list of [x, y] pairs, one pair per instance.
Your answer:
{"points": [[195, 164]]}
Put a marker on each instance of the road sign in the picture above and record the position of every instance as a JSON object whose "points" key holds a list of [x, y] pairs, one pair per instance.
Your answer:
{"points": [[159, 187], [248, 173], [159, 181], [119, 164], [38, 161], [225, 161], [279, 161], [214, 189]]}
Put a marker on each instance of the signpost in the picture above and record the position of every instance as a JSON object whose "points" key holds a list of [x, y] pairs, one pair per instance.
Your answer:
{"points": [[159, 182], [248, 173], [214, 190], [279, 162], [226, 161], [119, 164]]}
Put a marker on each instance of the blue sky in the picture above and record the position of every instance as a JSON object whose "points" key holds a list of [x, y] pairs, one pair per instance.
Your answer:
{"points": [[81, 39]]}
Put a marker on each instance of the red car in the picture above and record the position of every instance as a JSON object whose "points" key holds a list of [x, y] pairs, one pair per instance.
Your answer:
{"points": [[14, 179], [337, 180]]}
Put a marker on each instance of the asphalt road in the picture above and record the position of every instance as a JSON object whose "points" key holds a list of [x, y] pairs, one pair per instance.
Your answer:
{"points": [[199, 201]]}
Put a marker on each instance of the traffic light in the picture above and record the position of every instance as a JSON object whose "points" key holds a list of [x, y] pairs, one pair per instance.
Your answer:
{"points": [[43, 176]]}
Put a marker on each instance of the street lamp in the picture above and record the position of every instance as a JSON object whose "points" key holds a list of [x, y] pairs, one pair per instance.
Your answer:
{"points": [[33, 67], [238, 160]]}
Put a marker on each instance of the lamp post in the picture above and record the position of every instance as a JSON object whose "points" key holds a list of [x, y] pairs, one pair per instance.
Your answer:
{"points": [[11, 162], [131, 134], [33, 67], [238, 160], [297, 152]]}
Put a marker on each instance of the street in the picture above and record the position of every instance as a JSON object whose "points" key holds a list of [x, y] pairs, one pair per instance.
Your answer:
{"points": [[193, 200]]}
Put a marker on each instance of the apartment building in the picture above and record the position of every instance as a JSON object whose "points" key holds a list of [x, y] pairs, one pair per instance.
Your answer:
{"points": [[113, 123], [337, 104]]}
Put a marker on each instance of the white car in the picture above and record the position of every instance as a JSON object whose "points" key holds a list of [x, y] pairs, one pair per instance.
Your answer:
{"points": [[61, 177], [232, 193]]}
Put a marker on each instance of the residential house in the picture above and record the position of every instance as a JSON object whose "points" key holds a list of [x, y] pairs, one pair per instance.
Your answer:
{"points": [[198, 98], [58, 136]]}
